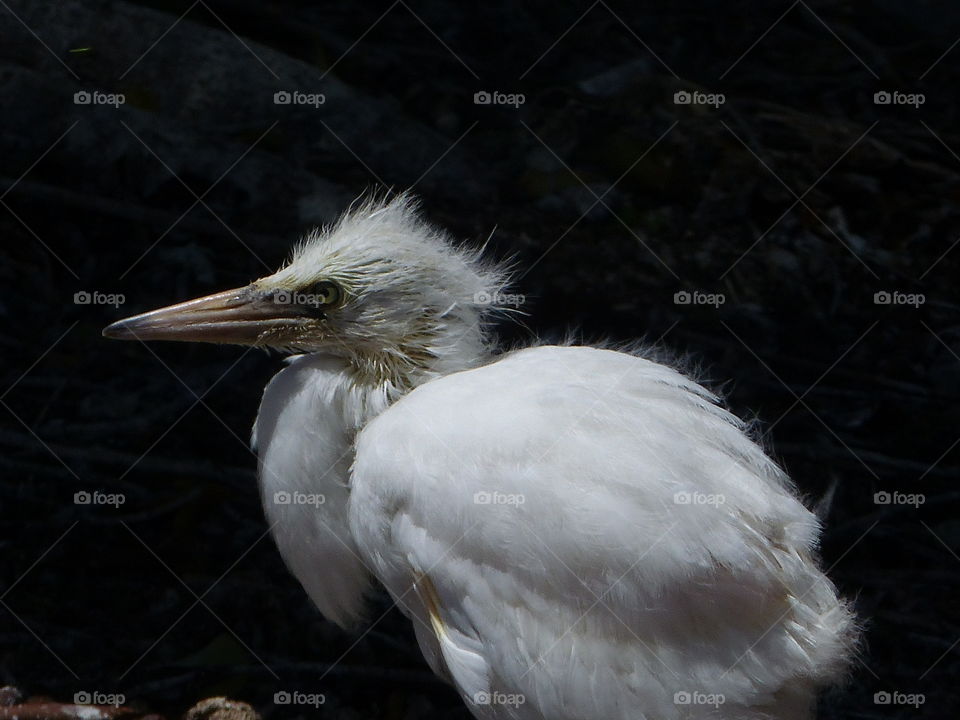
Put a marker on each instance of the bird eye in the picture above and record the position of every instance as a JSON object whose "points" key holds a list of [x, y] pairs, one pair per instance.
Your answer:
{"points": [[322, 294]]}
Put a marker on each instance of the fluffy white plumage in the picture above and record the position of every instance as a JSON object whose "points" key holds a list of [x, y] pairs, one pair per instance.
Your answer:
{"points": [[576, 533]]}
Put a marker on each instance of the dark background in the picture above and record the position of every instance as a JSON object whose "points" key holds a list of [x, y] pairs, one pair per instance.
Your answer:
{"points": [[798, 199]]}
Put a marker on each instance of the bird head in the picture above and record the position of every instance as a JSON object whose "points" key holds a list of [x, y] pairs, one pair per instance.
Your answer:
{"points": [[381, 288]]}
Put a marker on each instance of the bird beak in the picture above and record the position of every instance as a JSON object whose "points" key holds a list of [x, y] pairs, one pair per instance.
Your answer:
{"points": [[242, 316]]}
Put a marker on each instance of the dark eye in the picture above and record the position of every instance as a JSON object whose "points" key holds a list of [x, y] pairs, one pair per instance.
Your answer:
{"points": [[321, 294]]}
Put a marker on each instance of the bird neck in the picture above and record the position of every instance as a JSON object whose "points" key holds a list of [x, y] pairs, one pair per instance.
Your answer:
{"points": [[396, 371]]}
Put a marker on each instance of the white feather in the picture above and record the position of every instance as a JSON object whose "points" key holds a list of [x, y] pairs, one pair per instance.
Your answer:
{"points": [[595, 589], [577, 533]]}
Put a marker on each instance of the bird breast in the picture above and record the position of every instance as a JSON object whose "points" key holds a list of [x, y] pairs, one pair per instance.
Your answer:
{"points": [[304, 435]]}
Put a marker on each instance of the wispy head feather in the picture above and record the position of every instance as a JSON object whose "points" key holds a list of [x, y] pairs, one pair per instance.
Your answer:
{"points": [[415, 304]]}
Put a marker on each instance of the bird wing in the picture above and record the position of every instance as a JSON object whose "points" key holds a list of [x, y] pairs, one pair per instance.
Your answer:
{"points": [[582, 533]]}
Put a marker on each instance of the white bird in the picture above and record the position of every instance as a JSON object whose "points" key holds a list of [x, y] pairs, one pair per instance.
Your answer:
{"points": [[576, 533]]}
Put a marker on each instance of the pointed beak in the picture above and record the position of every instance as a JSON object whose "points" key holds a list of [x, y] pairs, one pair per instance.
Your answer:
{"points": [[242, 316]]}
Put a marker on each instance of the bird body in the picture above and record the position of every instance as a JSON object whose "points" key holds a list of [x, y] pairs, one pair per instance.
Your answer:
{"points": [[546, 573], [575, 532]]}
